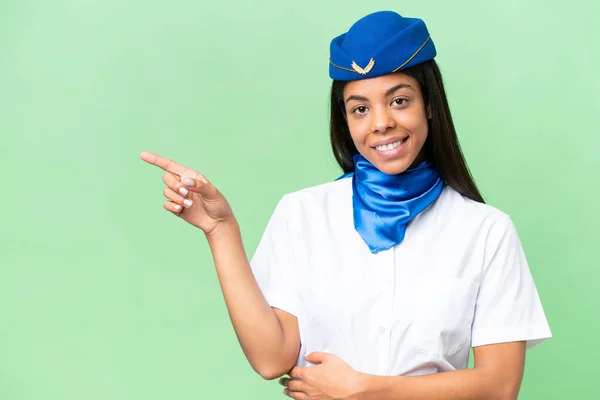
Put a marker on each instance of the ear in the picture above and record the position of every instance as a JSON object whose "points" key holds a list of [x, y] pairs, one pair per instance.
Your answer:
{"points": [[429, 111]]}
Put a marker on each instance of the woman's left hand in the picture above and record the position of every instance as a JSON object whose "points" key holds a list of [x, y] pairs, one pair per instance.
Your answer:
{"points": [[331, 379]]}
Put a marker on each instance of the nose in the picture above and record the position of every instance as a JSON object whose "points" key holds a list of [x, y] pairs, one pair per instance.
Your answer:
{"points": [[381, 120]]}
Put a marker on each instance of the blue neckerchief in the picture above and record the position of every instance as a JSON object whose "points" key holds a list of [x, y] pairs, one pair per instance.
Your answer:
{"points": [[383, 204]]}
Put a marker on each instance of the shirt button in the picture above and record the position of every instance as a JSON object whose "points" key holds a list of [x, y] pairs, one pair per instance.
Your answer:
{"points": [[382, 329]]}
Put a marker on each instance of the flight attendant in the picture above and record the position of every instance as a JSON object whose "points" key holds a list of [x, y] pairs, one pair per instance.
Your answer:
{"points": [[377, 285]]}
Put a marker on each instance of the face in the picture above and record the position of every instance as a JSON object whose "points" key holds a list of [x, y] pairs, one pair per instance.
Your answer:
{"points": [[387, 119]]}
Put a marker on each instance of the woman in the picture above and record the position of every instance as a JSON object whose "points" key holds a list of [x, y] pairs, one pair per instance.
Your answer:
{"points": [[376, 285]]}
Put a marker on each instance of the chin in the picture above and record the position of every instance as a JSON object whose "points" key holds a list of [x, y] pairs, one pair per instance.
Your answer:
{"points": [[394, 167]]}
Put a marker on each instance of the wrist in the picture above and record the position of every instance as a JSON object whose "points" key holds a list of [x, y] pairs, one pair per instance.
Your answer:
{"points": [[225, 229], [360, 386], [375, 386]]}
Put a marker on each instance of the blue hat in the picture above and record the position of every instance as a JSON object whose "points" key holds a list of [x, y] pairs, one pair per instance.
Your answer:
{"points": [[379, 44]]}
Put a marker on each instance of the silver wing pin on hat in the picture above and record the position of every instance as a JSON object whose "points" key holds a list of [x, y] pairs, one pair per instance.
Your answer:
{"points": [[364, 71]]}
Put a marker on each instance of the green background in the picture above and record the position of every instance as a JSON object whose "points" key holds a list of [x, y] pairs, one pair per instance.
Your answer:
{"points": [[104, 295]]}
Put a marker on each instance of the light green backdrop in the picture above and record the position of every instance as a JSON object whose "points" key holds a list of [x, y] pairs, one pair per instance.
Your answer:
{"points": [[104, 295]]}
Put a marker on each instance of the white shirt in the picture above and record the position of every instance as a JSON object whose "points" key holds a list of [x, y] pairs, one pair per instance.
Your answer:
{"points": [[459, 279]]}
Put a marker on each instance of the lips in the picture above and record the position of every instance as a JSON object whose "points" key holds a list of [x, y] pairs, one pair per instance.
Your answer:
{"points": [[390, 146], [388, 141]]}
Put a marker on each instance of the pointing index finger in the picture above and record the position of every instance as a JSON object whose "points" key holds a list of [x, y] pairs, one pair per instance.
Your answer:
{"points": [[164, 163]]}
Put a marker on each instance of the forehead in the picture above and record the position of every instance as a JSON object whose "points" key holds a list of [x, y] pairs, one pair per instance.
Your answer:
{"points": [[379, 85]]}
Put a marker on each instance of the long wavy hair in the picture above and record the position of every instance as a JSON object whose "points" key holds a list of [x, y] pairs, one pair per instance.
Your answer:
{"points": [[442, 147]]}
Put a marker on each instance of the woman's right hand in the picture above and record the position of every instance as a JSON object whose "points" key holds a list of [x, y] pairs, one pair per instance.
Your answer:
{"points": [[190, 195]]}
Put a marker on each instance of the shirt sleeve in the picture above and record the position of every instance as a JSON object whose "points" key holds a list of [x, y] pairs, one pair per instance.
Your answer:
{"points": [[508, 306], [273, 264]]}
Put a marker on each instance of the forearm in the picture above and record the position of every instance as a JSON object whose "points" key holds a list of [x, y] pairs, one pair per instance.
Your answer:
{"points": [[255, 323], [470, 384]]}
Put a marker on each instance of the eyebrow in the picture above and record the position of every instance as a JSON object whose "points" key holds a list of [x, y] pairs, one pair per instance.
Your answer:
{"points": [[389, 92]]}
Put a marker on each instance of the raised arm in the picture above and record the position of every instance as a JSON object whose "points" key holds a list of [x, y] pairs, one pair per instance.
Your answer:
{"points": [[269, 337]]}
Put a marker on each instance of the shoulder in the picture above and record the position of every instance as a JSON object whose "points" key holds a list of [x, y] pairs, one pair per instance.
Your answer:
{"points": [[319, 208], [320, 195], [463, 229], [466, 219], [464, 208]]}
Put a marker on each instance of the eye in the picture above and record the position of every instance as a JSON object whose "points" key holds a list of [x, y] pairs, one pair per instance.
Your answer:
{"points": [[359, 110], [399, 101]]}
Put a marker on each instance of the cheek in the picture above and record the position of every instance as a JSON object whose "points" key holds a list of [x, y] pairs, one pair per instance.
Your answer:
{"points": [[416, 122], [422, 130], [358, 131]]}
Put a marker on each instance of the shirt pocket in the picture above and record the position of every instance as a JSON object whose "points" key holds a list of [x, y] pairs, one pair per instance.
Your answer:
{"points": [[441, 315]]}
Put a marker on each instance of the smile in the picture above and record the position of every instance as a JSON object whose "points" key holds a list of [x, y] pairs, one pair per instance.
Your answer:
{"points": [[390, 146]]}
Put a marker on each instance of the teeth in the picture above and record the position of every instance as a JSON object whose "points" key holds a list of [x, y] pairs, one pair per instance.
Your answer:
{"points": [[387, 147]]}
